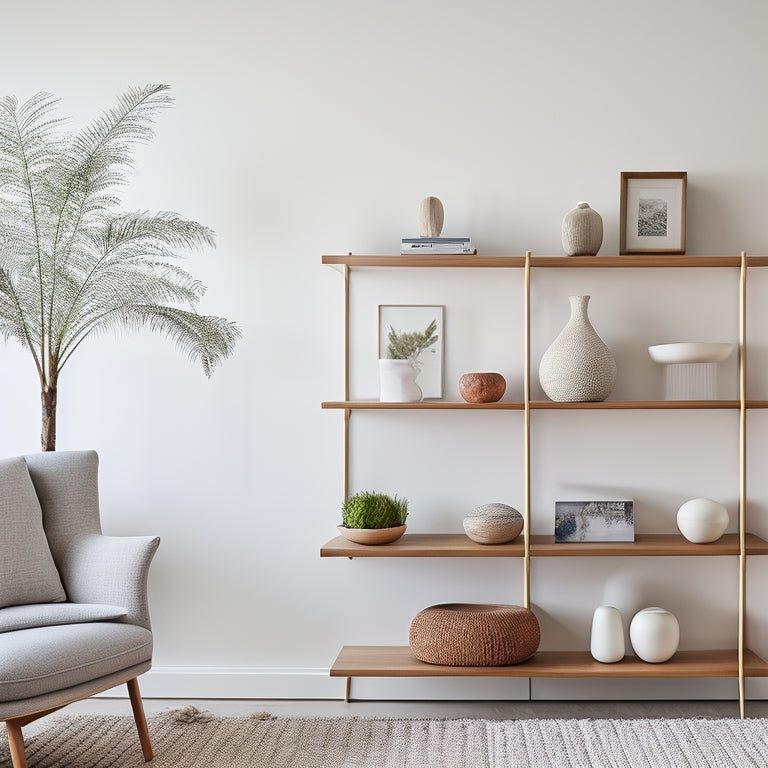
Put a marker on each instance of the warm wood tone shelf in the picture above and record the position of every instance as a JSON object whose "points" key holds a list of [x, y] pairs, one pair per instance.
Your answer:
{"points": [[547, 405], [459, 545], [518, 262], [398, 661]]}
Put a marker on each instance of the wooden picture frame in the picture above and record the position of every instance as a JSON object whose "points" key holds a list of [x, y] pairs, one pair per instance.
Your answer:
{"points": [[652, 218]]}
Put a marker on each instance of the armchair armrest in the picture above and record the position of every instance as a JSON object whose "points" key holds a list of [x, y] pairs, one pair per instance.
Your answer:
{"points": [[111, 570]]}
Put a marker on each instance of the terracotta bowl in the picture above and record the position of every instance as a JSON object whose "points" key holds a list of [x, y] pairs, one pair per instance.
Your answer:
{"points": [[372, 535], [482, 387]]}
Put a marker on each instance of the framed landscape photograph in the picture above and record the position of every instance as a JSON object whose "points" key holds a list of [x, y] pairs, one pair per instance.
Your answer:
{"points": [[652, 218], [589, 521], [409, 322]]}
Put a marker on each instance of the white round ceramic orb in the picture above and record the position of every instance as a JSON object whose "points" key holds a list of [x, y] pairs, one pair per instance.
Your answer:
{"points": [[606, 642], [654, 634], [702, 520]]}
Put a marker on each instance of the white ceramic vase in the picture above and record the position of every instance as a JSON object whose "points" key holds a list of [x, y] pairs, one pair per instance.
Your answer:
{"points": [[702, 520], [397, 381], [654, 634], [606, 642], [578, 366], [582, 231]]}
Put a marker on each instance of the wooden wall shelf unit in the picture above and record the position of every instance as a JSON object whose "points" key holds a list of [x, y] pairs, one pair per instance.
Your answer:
{"points": [[398, 661]]}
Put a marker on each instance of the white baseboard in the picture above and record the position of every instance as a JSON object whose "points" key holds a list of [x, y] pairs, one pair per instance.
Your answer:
{"points": [[315, 683]]}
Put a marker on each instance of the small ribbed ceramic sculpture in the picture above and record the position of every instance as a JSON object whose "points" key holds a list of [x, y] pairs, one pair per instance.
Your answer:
{"points": [[582, 231], [431, 216], [493, 524], [578, 366]]}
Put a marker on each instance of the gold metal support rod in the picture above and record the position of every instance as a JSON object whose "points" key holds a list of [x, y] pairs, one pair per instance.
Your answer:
{"points": [[742, 472], [347, 411], [347, 689], [527, 433]]}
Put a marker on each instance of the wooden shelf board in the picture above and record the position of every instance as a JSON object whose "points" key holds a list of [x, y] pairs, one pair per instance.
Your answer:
{"points": [[423, 545], [424, 405], [517, 262], [459, 545], [399, 661], [546, 405]]}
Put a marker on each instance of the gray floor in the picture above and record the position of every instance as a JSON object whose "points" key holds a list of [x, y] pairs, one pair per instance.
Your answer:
{"points": [[434, 709]]}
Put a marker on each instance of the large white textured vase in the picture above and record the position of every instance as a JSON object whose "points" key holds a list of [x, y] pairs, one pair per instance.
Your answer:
{"points": [[606, 642], [582, 231], [578, 367]]}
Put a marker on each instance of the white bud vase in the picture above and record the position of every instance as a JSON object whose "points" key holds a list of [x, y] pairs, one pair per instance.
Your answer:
{"points": [[606, 642], [654, 634], [582, 231], [397, 380], [578, 367]]}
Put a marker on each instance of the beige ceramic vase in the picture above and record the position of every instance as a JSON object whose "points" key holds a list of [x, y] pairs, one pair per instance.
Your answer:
{"points": [[582, 231]]}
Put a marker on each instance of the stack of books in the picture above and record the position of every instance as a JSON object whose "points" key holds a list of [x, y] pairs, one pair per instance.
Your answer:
{"points": [[439, 245]]}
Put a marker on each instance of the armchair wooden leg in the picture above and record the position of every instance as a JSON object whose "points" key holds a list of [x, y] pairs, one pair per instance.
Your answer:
{"points": [[138, 716], [16, 744]]}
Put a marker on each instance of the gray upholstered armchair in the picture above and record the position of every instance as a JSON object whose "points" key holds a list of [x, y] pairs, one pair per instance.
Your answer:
{"points": [[74, 619]]}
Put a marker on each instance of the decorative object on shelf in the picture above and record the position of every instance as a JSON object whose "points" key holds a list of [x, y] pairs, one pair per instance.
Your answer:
{"points": [[588, 521], [652, 218], [654, 634], [606, 643], [582, 231], [373, 518], [690, 368], [702, 520], [486, 387], [397, 381], [437, 245], [493, 524], [578, 366], [413, 334], [431, 216], [474, 635]]}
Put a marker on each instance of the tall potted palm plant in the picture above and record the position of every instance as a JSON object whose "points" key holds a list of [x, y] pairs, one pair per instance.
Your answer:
{"points": [[72, 265]]}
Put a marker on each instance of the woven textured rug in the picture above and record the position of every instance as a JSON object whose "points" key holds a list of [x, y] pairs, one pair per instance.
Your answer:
{"points": [[190, 739]]}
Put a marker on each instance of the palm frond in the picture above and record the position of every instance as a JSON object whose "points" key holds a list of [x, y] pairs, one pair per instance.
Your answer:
{"points": [[204, 338]]}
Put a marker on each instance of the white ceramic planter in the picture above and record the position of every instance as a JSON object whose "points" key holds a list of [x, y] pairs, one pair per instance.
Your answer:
{"points": [[654, 634], [397, 381], [702, 520], [606, 642]]}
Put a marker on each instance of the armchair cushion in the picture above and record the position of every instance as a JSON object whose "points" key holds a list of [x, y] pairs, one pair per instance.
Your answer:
{"points": [[27, 571], [37, 661], [50, 614]]}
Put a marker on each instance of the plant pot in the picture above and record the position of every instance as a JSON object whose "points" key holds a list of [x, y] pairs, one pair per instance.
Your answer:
{"points": [[372, 535], [397, 380]]}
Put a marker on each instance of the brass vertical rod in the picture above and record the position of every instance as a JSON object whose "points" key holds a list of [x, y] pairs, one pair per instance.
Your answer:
{"points": [[347, 411], [527, 433], [742, 472], [347, 689]]}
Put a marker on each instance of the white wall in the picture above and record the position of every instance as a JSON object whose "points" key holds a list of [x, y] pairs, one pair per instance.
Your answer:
{"points": [[304, 128]]}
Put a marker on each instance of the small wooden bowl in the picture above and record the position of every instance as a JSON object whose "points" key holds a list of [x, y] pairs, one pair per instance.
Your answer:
{"points": [[485, 387], [372, 535]]}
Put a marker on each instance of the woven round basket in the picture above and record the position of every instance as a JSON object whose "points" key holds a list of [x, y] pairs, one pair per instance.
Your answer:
{"points": [[474, 635]]}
